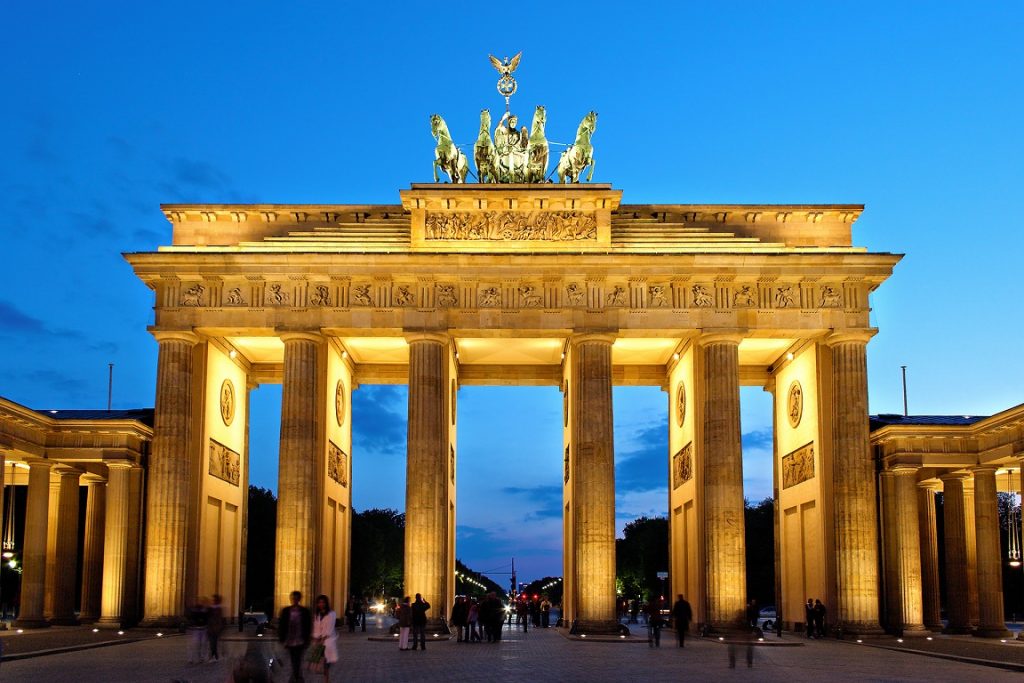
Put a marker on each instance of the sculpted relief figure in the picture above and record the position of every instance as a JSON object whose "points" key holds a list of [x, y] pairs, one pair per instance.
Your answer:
{"points": [[490, 297], [361, 295], [446, 296], [701, 296], [577, 294], [404, 296], [784, 297], [745, 297], [511, 143], [529, 298], [321, 296], [235, 297], [656, 296], [193, 296], [276, 296], [831, 297], [616, 297]]}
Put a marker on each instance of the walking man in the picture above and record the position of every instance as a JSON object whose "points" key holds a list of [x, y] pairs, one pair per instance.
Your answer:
{"points": [[682, 614], [294, 628], [419, 622]]}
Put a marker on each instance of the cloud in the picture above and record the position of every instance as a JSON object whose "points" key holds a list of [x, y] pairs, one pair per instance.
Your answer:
{"points": [[379, 419], [545, 502], [644, 466], [759, 439], [15, 323]]}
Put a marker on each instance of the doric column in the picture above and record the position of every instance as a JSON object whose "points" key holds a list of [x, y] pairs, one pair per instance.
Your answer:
{"points": [[53, 503], [33, 574], [928, 532], [908, 549], [426, 468], [957, 601], [66, 548], [893, 614], [991, 620], [115, 546], [855, 520], [297, 483], [722, 459], [594, 490], [170, 481], [130, 612], [92, 553]]}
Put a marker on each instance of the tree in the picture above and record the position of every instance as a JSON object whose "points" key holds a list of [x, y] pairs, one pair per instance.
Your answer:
{"points": [[640, 554], [760, 550], [378, 552], [259, 556]]}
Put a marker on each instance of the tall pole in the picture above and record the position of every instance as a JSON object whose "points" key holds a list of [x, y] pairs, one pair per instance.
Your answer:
{"points": [[904, 369], [110, 385]]}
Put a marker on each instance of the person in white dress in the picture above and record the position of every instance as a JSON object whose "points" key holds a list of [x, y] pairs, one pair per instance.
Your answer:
{"points": [[324, 633]]}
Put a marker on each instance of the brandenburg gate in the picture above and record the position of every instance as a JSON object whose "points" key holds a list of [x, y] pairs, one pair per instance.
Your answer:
{"points": [[515, 284]]}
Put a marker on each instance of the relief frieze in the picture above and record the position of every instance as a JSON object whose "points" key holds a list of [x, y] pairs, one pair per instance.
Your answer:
{"points": [[224, 463], [548, 226], [337, 464], [682, 466], [798, 466]]}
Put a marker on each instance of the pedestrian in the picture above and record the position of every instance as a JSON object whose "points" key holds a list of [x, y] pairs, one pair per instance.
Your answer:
{"points": [[404, 614], [361, 614], [654, 625], [545, 612], [472, 617], [419, 622], [214, 625], [682, 614], [325, 638], [753, 613], [809, 617], [351, 614], [819, 618], [197, 632], [460, 610], [294, 628]]}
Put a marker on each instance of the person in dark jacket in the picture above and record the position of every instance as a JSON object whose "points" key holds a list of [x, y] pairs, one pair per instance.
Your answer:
{"points": [[460, 618], [419, 622], [294, 628], [809, 617], [819, 619], [682, 615]]}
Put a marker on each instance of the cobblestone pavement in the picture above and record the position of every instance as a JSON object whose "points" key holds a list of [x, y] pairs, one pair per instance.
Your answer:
{"points": [[540, 655]]}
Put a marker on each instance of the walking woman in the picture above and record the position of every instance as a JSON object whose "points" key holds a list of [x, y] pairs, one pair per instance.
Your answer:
{"points": [[324, 633]]}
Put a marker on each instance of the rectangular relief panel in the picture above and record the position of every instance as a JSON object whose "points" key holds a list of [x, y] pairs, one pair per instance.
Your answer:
{"points": [[337, 464], [225, 464], [682, 466], [798, 466]]}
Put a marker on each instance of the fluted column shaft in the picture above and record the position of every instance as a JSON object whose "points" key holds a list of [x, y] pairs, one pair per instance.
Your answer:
{"points": [[991, 620], [130, 611], [115, 546], [853, 483], [893, 613], [957, 585], [929, 536], [297, 485], [170, 482], [66, 548], [92, 553], [594, 490], [53, 503], [723, 482], [33, 574], [426, 497], [971, 541], [908, 549]]}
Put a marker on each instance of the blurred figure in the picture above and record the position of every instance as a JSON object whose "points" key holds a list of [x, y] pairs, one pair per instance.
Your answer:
{"points": [[324, 634], [197, 621], [819, 619], [654, 624], [294, 628], [404, 615], [460, 612], [682, 615], [214, 625], [809, 617], [420, 607]]}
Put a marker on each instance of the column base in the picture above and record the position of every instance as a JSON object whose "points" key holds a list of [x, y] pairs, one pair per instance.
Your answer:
{"points": [[599, 627], [915, 631], [992, 632], [109, 622], [31, 623], [934, 628]]}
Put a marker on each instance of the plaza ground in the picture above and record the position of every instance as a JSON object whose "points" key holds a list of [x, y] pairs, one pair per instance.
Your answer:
{"points": [[540, 655]]}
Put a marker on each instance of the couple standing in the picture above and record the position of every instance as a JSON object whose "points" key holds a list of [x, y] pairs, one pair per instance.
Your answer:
{"points": [[412, 616], [297, 627]]}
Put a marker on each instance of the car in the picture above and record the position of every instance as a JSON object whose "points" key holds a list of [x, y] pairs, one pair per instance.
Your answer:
{"points": [[258, 618], [766, 618]]}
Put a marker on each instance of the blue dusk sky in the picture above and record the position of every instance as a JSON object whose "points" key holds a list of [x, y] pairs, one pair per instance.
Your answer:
{"points": [[914, 109]]}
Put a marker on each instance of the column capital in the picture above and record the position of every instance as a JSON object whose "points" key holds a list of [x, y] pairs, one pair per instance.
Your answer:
{"points": [[578, 338], [63, 470], [300, 335], [442, 338], [929, 486], [837, 337], [175, 335], [984, 469], [118, 464], [720, 337], [90, 478], [953, 476], [38, 462], [904, 469]]}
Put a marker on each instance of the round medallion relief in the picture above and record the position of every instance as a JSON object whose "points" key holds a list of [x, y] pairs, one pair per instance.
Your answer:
{"points": [[680, 404], [227, 402], [339, 402], [795, 404], [455, 400]]}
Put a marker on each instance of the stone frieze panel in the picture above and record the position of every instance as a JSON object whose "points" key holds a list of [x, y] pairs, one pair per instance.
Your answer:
{"points": [[224, 463], [506, 226], [798, 466]]}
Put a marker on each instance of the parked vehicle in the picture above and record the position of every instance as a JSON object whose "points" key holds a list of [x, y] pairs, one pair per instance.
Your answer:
{"points": [[766, 618]]}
